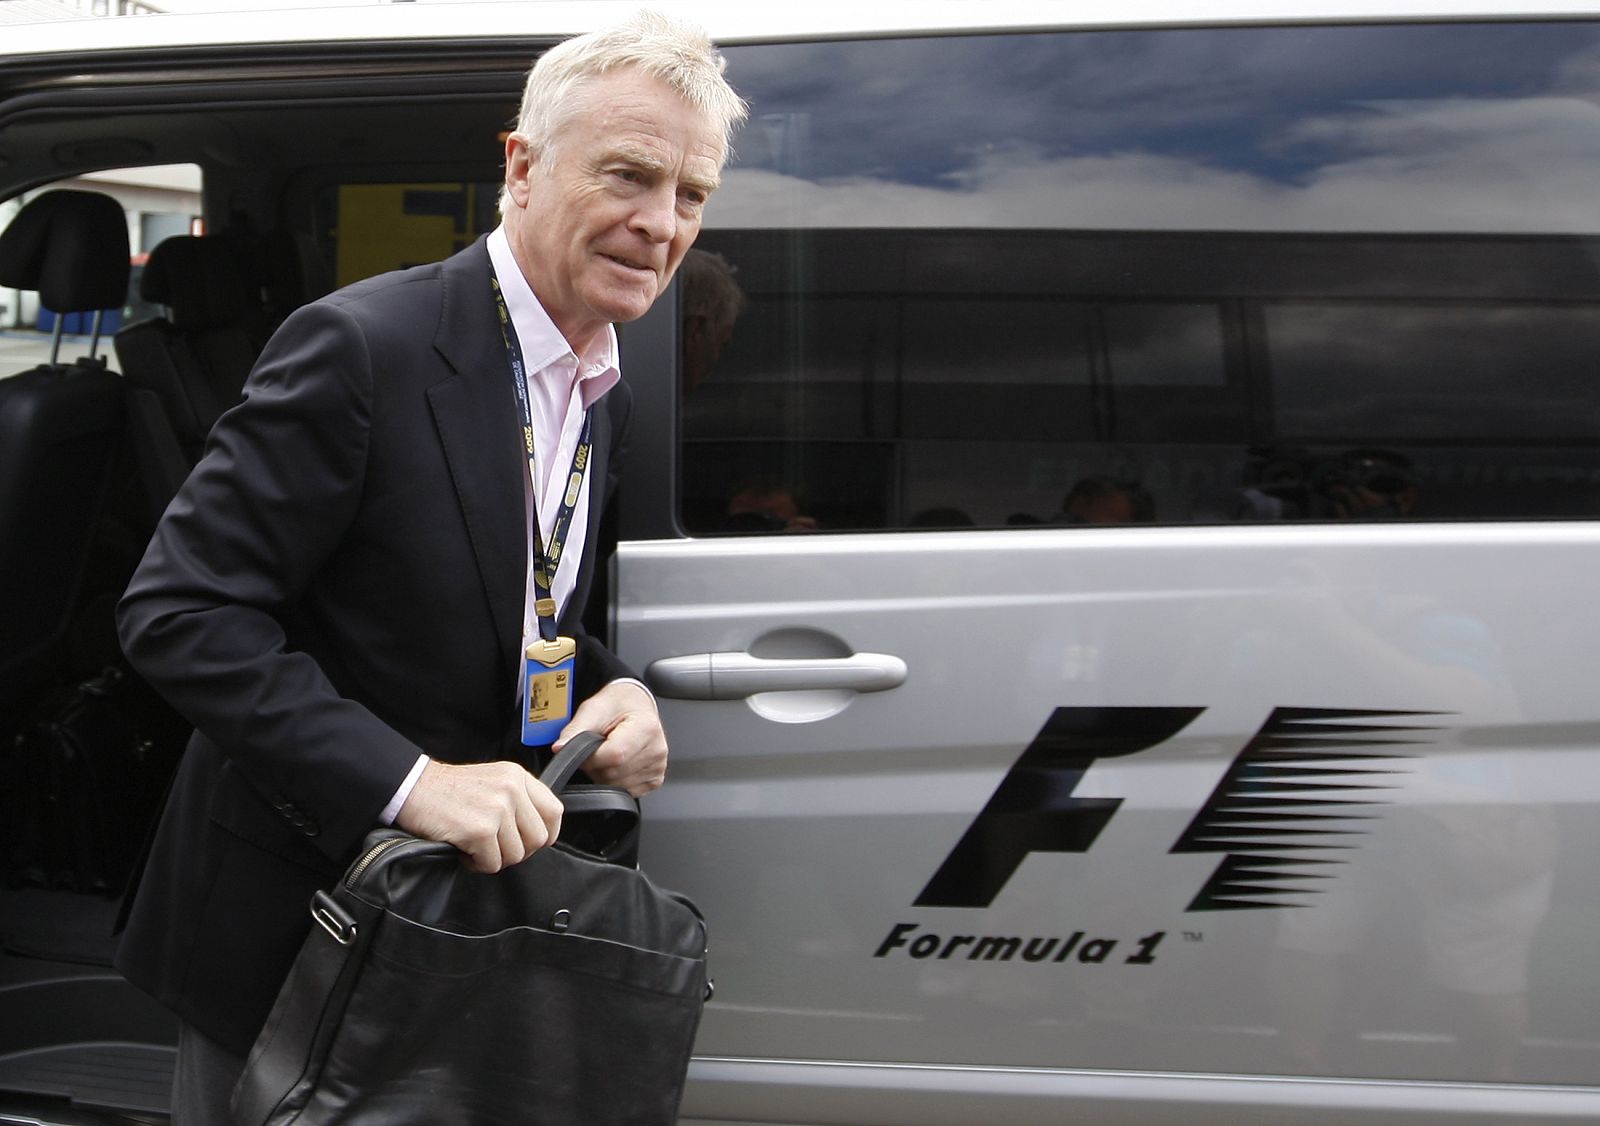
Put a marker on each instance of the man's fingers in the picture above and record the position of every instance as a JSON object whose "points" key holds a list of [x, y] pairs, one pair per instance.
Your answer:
{"points": [[540, 815], [608, 708], [634, 754], [630, 760], [482, 852], [498, 814], [633, 757], [495, 812], [513, 839]]}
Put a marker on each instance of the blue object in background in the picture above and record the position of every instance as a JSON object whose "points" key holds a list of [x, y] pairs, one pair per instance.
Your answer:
{"points": [[79, 324]]}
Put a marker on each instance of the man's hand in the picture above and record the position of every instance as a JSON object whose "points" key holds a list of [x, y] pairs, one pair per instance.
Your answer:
{"points": [[495, 812], [634, 755]]}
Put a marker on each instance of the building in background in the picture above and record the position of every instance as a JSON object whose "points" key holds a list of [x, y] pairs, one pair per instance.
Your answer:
{"points": [[159, 202], [36, 11]]}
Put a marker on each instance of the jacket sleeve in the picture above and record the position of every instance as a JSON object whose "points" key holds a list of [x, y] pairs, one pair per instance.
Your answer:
{"points": [[202, 620]]}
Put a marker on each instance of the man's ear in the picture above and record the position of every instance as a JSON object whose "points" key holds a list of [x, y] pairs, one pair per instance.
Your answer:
{"points": [[519, 168]]}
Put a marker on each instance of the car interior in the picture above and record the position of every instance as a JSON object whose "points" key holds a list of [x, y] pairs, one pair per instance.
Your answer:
{"points": [[92, 447]]}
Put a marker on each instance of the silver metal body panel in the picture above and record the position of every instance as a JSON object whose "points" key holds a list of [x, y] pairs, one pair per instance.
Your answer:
{"points": [[842, 1094], [1458, 899]]}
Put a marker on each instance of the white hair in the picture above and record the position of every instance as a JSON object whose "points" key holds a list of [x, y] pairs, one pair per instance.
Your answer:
{"points": [[677, 53]]}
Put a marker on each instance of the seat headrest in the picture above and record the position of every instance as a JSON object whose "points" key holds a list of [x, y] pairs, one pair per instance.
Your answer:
{"points": [[294, 270], [70, 246], [199, 281]]}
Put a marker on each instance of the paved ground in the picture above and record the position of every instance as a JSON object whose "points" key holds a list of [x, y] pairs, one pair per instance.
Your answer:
{"points": [[22, 350]]}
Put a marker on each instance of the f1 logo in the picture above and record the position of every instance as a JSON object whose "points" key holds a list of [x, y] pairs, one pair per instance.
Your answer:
{"points": [[1034, 809], [1307, 779]]}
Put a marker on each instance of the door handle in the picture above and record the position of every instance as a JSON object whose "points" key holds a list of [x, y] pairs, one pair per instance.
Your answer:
{"points": [[734, 676]]}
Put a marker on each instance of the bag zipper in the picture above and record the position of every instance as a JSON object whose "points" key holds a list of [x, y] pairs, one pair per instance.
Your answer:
{"points": [[329, 913], [369, 857]]}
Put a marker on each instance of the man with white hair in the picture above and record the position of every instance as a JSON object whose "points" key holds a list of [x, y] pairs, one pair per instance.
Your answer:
{"points": [[353, 596]]}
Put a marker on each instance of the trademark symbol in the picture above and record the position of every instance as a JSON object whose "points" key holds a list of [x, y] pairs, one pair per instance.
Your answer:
{"points": [[1194, 936]]}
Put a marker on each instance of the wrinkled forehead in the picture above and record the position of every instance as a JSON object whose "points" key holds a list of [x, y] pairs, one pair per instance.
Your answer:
{"points": [[627, 97]]}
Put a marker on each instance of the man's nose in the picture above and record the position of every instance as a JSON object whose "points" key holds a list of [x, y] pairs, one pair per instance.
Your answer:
{"points": [[656, 217]]}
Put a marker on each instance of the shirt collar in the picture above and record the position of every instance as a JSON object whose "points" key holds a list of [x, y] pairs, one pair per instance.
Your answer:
{"points": [[541, 342]]}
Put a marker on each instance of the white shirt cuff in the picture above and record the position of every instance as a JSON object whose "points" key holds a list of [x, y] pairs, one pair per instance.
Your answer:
{"points": [[641, 684], [392, 810]]}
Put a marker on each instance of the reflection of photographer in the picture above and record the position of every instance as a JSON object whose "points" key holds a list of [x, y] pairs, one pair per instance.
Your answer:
{"points": [[712, 302], [1361, 484], [766, 507], [1371, 485]]}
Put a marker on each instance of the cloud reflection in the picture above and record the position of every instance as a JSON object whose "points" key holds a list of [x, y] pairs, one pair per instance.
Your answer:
{"points": [[1190, 131]]}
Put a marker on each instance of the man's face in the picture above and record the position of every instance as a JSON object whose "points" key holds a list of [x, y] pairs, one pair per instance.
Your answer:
{"points": [[601, 233]]}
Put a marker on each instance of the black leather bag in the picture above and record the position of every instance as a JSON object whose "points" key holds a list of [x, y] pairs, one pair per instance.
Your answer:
{"points": [[565, 989]]}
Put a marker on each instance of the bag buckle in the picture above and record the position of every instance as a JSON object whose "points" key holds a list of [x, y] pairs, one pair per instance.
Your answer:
{"points": [[333, 918]]}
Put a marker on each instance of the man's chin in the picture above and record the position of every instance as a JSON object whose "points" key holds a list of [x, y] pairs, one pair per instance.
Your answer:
{"points": [[622, 308]]}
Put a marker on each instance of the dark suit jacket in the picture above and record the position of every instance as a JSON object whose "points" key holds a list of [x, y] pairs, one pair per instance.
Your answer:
{"points": [[337, 587]]}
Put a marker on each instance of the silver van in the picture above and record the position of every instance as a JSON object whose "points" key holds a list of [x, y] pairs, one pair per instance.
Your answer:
{"points": [[1113, 537]]}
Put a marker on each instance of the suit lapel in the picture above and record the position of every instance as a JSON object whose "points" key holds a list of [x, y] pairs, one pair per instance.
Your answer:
{"points": [[475, 413]]}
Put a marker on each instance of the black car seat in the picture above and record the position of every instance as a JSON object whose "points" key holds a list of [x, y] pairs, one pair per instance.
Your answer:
{"points": [[187, 367], [61, 427], [293, 272], [196, 358]]}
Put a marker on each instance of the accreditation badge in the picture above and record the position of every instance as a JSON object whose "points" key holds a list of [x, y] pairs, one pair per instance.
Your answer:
{"points": [[547, 689]]}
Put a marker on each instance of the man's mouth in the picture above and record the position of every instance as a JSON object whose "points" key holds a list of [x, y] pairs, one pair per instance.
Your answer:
{"points": [[630, 263]]}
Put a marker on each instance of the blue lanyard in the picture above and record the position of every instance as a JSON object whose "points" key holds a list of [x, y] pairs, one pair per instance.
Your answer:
{"points": [[545, 559]]}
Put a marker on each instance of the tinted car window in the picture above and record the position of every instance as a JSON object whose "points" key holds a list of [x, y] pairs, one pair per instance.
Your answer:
{"points": [[1244, 274]]}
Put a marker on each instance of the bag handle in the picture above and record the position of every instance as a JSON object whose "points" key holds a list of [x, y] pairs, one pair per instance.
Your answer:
{"points": [[613, 835], [577, 751]]}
